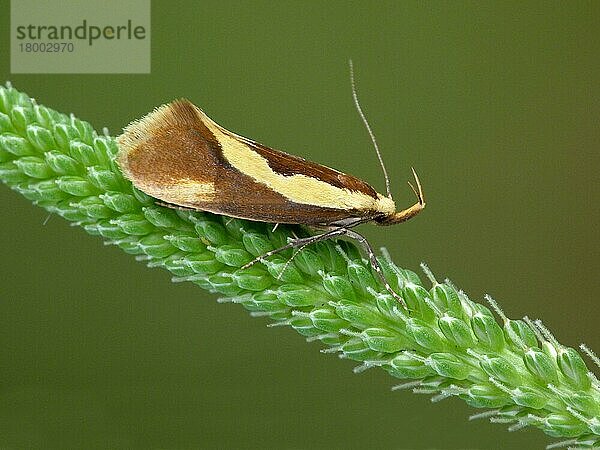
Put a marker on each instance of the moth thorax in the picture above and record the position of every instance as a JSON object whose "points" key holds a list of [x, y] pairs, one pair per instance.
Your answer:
{"points": [[385, 205]]}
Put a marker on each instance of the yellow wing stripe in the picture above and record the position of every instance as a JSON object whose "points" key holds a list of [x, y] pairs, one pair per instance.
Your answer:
{"points": [[297, 188]]}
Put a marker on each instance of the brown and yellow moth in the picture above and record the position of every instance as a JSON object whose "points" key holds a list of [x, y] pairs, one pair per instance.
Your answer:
{"points": [[180, 156]]}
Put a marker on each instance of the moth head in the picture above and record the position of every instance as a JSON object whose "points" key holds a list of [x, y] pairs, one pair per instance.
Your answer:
{"points": [[392, 217]]}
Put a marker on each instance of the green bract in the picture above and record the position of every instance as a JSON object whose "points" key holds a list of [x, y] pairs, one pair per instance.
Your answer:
{"points": [[445, 344]]}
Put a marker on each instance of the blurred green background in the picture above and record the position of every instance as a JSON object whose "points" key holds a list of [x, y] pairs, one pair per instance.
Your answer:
{"points": [[496, 104]]}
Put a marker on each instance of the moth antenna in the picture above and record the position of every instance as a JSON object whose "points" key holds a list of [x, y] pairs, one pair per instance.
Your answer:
{"points": [[419, 192], [368, 127]]}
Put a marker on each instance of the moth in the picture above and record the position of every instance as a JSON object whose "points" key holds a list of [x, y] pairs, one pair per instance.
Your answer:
{"points": [[180, 156]]}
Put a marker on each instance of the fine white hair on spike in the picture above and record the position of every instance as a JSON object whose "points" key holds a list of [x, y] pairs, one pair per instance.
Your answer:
{"points": [[408, 385], [484, 415], [193, 218], [554, 389], [318, 337], [242, 299], [546, 332], [8, 84], [499, 385], [264, 313], [540, 337], [517, 426], [450, 283], [588, 351], [444, 395], [501, 420], [415, 356], [561, 444], [434, 307], [340, 250], [476, 354], [335, 349], [368, 127], [105, 131], [388, 259], [496, 307], [385, 253], [428, 273], [362, 368], [372, 291], [347, 332], [424, 391], [579, 416]]}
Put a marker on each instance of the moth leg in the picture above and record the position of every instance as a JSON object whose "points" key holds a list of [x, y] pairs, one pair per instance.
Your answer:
{"points": [[287, 263], [374, 263], [274, 228], [299, 242]]}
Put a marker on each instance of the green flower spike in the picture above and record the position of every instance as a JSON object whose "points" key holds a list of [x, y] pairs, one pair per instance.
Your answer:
{"points": [[445, 346]]}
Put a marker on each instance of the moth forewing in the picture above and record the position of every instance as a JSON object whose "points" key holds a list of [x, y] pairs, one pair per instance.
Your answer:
{"points": [[180, 156]]}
